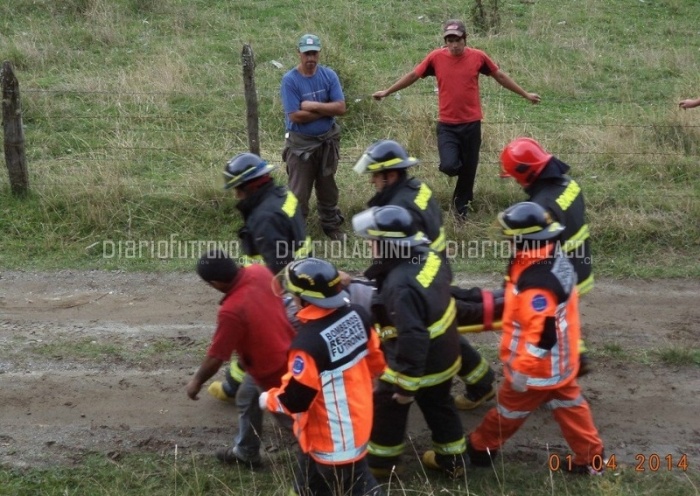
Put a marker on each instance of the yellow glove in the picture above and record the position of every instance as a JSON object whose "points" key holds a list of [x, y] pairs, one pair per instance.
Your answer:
{"points": [[216, 389]]}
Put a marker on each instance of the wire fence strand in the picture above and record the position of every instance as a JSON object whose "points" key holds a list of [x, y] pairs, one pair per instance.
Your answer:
{"points": [[120, 132]]}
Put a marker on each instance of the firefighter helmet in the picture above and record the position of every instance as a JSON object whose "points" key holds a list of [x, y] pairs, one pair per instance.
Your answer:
{"points": [[243, 168], [388, 223], [523, 159], [384, 155], [528, 220], [317, 282]]}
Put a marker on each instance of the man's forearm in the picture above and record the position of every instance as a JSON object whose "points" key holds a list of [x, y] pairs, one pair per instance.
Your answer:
{"points": [[689, 103], [207, 369], [507, 82], [406, 81], [326, 109]]}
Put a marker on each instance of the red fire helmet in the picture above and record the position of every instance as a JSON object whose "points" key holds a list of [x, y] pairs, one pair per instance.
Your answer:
{"points": [[523, 159]]}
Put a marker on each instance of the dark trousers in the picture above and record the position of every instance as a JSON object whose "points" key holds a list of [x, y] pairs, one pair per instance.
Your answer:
{"points": [[390, 420], [476, 372], [349, 479], [304, 176], [459, 146]]}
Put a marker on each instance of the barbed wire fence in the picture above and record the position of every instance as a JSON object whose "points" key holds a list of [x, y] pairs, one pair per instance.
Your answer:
{"points": [[119, 129]]}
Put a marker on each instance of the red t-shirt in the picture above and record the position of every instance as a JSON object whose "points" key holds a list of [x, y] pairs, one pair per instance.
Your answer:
{"points": [[458, 82], [253, 322]]}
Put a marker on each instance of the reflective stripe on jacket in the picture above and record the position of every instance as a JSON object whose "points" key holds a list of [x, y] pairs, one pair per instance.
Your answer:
{"points": [[417, 317], [416, 197], [541, 325], [328, 387], [563, 199], [274, 232]]}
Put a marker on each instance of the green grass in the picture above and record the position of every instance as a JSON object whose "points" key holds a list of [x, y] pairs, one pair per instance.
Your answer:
{"points": [[613, 350], [90, 350], [132, 108], [142, 353], [183, 474], [612, 353], [680, 356], [132, 475]]}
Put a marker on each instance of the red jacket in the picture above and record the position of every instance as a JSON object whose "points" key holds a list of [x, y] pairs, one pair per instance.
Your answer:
{"points": [[252, 321]]}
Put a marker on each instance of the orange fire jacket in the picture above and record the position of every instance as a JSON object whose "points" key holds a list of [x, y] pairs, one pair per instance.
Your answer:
{"points": [[541, 326], [336, 421]]}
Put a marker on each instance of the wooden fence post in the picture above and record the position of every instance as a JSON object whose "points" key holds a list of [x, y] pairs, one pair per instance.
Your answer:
{"points": [[251, 99], [14, 134]]}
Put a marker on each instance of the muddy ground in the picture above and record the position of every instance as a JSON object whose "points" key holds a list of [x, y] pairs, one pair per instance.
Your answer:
{"points": [[97, 362]]}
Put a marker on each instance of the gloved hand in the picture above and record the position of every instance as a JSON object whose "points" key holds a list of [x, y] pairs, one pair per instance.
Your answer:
{"points": [[262, 400], [402, 399], [519, 382], [216, 389]]}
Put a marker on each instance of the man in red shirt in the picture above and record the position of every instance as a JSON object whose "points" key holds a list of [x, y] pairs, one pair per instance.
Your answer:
{"points": [[457, 69], [252, 321]]}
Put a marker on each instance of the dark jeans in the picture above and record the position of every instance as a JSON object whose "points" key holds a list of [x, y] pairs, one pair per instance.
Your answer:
{"points": [[349, 479], [250, 420], [306, 175], [458, 146]]}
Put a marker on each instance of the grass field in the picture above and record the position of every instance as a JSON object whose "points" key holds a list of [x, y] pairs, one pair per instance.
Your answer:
{"points": [[173, 475], [132, 107]]}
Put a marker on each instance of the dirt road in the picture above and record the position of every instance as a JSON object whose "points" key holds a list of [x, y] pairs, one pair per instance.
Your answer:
{"points": [[98, 362]]}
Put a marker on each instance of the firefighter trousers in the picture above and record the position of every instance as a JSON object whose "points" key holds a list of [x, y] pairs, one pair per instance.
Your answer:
{"points": [[390, 420], [569, 408], [349, 479], [475, 372]]}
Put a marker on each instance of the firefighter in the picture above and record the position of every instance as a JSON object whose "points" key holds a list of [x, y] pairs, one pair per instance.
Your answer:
{"points": [[388, 163], [273, 234], [544, 178], [420, 341], [539, 347], [273, 231], [328, 386]]}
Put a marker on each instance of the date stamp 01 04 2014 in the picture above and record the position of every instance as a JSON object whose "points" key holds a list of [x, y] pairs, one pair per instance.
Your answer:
{"points": [[643, 462]]}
